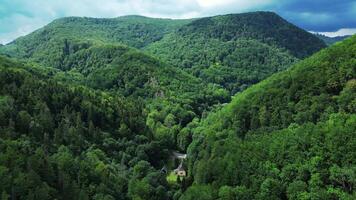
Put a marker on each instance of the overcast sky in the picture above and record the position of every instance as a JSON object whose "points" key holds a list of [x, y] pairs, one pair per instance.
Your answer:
{"points": [[20, 17]]}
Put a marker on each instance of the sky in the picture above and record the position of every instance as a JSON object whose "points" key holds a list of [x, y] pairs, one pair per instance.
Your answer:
{"points": [[330, 17]]}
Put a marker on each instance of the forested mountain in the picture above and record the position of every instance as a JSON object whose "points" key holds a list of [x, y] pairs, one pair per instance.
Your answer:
{"points": [[93, 109], [241, 49], [134, 31], [331, 40], [292, 136], [68, 35], [170, 94]]}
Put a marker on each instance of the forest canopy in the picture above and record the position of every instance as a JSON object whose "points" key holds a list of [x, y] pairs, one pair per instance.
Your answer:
{"points": [[254, 106]]}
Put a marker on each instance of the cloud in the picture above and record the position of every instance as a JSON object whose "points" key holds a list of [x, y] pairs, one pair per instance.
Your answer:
{"points": [[237, 4], [17, 25], [340, 32], [19, 17], [319, 15]]}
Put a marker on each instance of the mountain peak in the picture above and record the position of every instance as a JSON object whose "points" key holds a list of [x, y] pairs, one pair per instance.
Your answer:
{"points": [[264, 26]]}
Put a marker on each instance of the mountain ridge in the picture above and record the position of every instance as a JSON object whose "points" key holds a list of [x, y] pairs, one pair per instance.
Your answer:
{"points": [[94, 108], [241, 59]]}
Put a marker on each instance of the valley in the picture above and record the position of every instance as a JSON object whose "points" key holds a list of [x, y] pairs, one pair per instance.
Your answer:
{"points": [[238, 106]]}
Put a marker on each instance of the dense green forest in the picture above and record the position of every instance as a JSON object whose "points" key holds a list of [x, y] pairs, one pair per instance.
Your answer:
{"points": [[292, 136], [242, 49], [66, 142], [93, 109], [236, 50], [169, 93]]}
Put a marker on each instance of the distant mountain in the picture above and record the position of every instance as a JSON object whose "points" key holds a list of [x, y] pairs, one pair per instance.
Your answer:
{"points": [[241, 49], [134, 31], [266, 27], [54, 40], [284, 133], [331, 40]]}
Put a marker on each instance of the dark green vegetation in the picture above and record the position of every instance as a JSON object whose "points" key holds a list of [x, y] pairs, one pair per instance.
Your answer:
{"points": [[67, 142], [50, 45], [241, 49], [331, 40], [169, 93], [236, 51], [92, 108], [292, 136]]}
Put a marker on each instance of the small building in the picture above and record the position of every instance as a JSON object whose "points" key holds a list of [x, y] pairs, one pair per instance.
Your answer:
{"points": [[180, 171]]}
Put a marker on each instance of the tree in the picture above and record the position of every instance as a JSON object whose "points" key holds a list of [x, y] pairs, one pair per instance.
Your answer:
{"points": [[198, 192]]}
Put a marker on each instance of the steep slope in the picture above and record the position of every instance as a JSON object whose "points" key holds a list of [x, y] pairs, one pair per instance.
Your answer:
{"points": [[248, 47], [242, 48], [51, 40], [267, 27], [89, 52], [60, 141], [172, 97], [301, 94], [90, 118], [290, 136], [135, 31]]}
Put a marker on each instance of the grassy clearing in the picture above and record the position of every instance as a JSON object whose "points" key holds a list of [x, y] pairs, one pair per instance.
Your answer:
{"points": [[172, 178]]}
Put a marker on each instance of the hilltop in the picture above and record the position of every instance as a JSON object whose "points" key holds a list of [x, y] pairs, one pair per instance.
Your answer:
{"points": [[242, 48]]}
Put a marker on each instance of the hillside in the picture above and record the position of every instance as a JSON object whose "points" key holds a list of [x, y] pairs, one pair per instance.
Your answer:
{"points": [[100, 108], [290, 136], [71, 142], [172, 98], [135, 31], [242, 48], [51, 40]]}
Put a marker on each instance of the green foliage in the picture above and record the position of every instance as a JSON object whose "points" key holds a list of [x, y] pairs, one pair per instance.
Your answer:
{"points": [[135, 31], [71, 142], [198, 192], [292, 162], [128, 72], [233, 65], [235, 51], [290, 136], [308, 92], [241, 49], [84, 115]]}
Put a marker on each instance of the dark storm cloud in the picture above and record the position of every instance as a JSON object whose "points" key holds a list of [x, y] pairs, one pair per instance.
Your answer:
{"points": [[319, 15]]}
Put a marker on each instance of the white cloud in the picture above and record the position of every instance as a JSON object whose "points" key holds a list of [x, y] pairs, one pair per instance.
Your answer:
{"points": [[22, 26], [211, 3], [340, 32], [110, 8]]}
